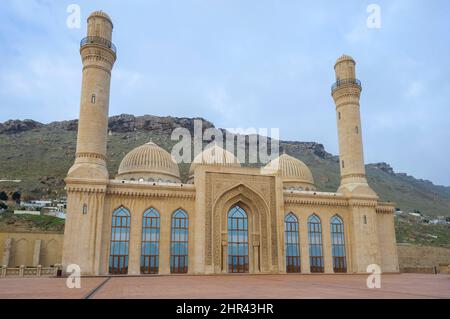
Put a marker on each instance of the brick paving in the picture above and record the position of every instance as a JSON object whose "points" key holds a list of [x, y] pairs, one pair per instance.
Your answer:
{"points": [[232, 286]]}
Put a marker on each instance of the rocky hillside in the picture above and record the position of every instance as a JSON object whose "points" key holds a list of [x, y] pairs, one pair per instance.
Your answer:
{"points": [[40, 155]]}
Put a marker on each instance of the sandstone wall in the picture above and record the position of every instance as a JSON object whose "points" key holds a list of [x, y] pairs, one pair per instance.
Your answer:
{"points": [[423, 259], [30, 249]]}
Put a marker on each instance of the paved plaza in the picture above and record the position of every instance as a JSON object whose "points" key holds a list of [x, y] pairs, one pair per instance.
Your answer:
{"points": [[231, 286]]}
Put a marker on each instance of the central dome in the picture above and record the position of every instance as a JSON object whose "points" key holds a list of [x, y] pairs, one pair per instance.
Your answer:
{"points": [[149, 162], [214, 155], [294, 173]]}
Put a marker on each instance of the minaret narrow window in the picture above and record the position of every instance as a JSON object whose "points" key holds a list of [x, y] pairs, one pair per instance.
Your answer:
{"points": [[356, 129], [343, 164], [93, 99], [339, 115]]}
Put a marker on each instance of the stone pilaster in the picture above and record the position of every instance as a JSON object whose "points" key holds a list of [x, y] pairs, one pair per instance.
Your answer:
{"points": [[7, 251], [135, 245], [164, 245], [304, 248], [327, 255], [37, 252]]}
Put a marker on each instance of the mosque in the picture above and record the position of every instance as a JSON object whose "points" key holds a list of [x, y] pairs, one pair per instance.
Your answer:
{"points": [[227, 218]]}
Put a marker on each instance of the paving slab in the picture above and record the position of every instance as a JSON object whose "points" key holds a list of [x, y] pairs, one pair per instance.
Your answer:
{"points": [[393, 286]]}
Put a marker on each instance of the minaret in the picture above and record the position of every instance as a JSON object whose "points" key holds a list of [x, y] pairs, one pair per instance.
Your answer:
{"points": [[87, 180], [98, 55], [346, 93]]}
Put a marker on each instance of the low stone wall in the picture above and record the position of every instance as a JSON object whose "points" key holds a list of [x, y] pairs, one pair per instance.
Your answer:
{"points": [[23, 271], [30, 249], [423, 259]]}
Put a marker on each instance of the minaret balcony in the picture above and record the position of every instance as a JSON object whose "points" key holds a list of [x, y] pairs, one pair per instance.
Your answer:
{"points": [[345, 83], [98, 41]]}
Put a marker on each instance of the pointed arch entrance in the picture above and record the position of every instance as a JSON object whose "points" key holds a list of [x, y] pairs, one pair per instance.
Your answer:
{"points": [[254, 223], [237, 240]]}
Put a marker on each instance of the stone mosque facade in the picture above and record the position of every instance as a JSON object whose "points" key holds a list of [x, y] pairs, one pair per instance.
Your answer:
{"points": [[227, 218]]}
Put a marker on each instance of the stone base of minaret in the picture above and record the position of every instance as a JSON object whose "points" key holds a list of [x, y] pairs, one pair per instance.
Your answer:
{"points": [[88, 171], [357, 189]]}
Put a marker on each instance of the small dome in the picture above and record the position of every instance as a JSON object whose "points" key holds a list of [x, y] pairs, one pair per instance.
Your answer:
{"points": [[295, 173], [100, 14], [214, 155], [149, 162], [343, 58]]}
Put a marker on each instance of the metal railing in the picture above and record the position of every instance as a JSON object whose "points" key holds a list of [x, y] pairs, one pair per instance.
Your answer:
{"points": [[99, 41], [346, 82]]}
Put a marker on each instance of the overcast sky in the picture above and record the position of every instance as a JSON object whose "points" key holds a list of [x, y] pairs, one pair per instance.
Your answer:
{"points": [[262, 64]]}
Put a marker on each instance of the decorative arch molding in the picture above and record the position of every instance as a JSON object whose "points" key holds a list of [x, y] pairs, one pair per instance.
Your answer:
{"points": [[149, 209], [291, 213], [259, 228], [180, 209], [121, 207], [337, 216]]}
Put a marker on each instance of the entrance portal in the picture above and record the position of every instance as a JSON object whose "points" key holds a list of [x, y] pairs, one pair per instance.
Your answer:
{"points": [[237, 241]]}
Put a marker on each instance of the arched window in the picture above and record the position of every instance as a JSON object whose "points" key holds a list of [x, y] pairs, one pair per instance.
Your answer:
{"points": [[292, 244], [237, 240], [315, 244], [338, 244], [120, 240], [179, 242], [150, 242]]}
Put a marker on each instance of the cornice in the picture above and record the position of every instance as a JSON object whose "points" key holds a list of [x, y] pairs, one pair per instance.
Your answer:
{"points": [[327, 199], [385, 208], [91, 155], [308, 198], [151, 190]]}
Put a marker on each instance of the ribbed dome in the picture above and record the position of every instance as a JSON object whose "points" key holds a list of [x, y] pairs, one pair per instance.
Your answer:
{"points": [[100, 14], [295, 173], [214, 155], [150, 163], [343, 58]]}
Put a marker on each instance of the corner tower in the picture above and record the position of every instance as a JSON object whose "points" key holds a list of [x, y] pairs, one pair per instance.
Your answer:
{"points": [[98, 55], [346, 93]]}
